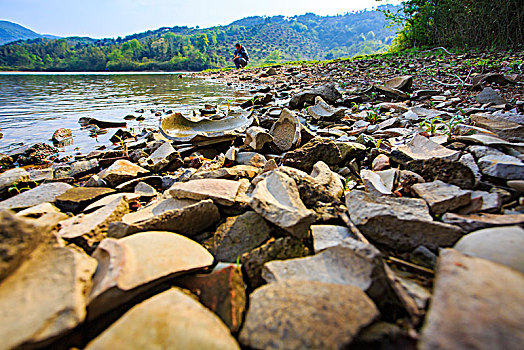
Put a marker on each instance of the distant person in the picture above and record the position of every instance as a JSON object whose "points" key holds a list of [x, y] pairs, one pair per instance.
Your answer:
{"points": [[240, 56]]}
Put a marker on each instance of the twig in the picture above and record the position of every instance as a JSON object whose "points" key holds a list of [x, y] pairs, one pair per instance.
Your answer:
{"points": [[459, 78], [445, 84], [441, 48], [410, 265], [469, 74], [353, 228]]}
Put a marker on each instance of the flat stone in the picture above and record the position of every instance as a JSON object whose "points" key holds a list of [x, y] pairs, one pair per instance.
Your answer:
{"points": [[257, 137], [399, 223], [306, 315], [77, 198], [153, 180], [451, 172], [251, 158], [183, 216], [41, 194], [402, 83], [276, 199], [12, 177], [381, 162], [145, 190], [121, 171], [489, 314], [109, 198], [502, 245], [221, 291], [160, 158], [318, 149], [442, 197], [44, 214], [323, 111], [169, 320], [504, 128], [221, 191], [233, 173], [238, 235], [374, 184], [76, 169], [325, 236], [351, 150], [275, 249], [328, 92], [45, 298], [330, 180], [474, 222], [488, 95], [389, 178], [85, 230], [421, 148], [468, 160], [500, 165], [490, 202], [286, 131], [517, 185]]}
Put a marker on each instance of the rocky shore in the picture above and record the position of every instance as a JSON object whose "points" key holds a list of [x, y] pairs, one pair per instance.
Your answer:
{"points": [[365, 204]]}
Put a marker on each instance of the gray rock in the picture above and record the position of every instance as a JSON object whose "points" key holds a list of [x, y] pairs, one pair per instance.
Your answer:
{"points": [[473, 222], [468, 160], [251, 158], [322, 111], [221, 191], [237, 236], [41, 194], [152, 180], [276, 198], [12, 177], [442, 197], [325, 236], [503, 166], [488, 95], [286, 131], [318, 149], [160, 158], [329, 93], [374, 184], [489, 314], [423, 256], [305, 315], [502, 245], [257, 137], [184, 216], [402, 83], [399, 223], [517, 185], [330, 180], [83, 167], [145, 190], [504, 128], [351, 150], [109, 198], [451, 172], [421, 148]]}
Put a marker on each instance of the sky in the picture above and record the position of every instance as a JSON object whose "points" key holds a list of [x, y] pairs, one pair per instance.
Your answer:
{"points": [[112, 18]]}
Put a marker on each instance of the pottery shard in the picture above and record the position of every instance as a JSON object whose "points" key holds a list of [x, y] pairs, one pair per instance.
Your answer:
{"points": [[89, 229], [474, 222], [421, 148], [237, 236], [169, 320], [77, 198], [257, 137], [502, 245], [399, 223], [442, 197], [490, 313], [132, 265], [276, 198], [160, 158], [41, 194], [45, 298], [19, 237], [286, 131], [221, 291], [306, 315], [183, 216], [121, 171], [221, 191], [318, 149]]}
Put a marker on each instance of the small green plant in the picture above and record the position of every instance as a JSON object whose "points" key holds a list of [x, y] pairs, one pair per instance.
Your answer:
{"points": [[378, 143], [342, 85], [373, 115], [238, 261], [14, 187], [451, 124], [430, 125]]}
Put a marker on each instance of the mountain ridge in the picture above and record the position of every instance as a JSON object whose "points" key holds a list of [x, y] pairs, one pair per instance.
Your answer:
{"points": [[11, 32]]}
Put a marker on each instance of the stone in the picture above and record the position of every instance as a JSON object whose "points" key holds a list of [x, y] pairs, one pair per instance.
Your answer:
{"points": [[489, 202], [35, 154], [82, 168], [41, 194], [402, 83], [504, 128], [473, 222], [305, 315], [276, 199], [84, 121], [145, 190], [134, 264], [374, 184], [109, 198], [221, 191], [516, 185], [330, 180], [391, 92], [45, 214], [19, 238], [351, 150], [423, 256], [451, 172], [233, 173], [421, 148], [161, 158], [398, 223], [286, 131], [12, 177], [238, 235], [183, 216], [488, 95], [169, 320], [500, 165], [489, 315], [85, 230], [275, 249], [318, 149], [502, 245], [381, 162], [468, 160], [5, 160], [328, 92], [222, 291], [77, 198], [45, 298], [121, 171], [389, 178], [257, 137], [61, 135], [152, 180], [323, 111], [442, 197], [325, 236], [251, 158]]}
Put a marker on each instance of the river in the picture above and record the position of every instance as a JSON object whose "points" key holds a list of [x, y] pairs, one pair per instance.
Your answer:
{"points": [[34, 105]]}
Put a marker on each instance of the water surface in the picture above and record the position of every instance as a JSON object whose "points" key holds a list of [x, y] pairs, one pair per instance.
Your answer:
{"points": [[34, 105]]}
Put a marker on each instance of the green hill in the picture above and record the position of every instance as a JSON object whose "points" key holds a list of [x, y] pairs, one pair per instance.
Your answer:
{"points": [[268, 40], [10, 32]]}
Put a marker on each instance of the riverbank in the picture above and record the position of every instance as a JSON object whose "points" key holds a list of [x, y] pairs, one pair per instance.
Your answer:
{"points": [[352, 203]]}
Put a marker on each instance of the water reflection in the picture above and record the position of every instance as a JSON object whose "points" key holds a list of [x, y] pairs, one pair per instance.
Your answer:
{"points": [[33, 106]]}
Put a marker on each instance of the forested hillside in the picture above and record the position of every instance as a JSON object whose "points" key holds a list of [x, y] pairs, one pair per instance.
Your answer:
{"points": [[10, 32], [268, 40]]}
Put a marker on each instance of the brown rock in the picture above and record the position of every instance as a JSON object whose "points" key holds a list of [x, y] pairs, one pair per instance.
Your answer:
{"points": [[286, 131], [318, 149], [121, 171], [381, 162], [221, 191], [77, 198]]}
